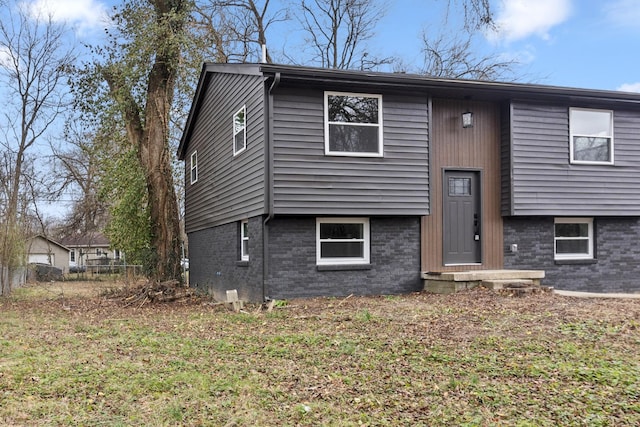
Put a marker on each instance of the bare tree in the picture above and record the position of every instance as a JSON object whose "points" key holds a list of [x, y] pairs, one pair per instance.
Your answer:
{"points": [[238, 28], [78, 170], [477, 13], [337, 32], [453, 56], [34, 61]]}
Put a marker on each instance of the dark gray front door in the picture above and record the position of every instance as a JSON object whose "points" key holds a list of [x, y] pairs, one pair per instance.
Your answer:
{"points": [[462, 221]]}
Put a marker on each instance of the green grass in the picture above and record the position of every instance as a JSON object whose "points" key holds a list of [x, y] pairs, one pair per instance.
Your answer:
{"points": [[474, 359]]}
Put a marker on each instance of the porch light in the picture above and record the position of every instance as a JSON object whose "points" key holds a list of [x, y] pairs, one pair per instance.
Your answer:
{"points": [[467, 119]]}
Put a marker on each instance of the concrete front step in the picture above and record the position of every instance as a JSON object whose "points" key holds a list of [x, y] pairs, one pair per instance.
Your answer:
{"points": [[454, 281], [527, 290], [507, 283], [475, 275]]}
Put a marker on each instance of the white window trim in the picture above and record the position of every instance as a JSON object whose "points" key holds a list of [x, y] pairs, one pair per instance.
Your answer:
{"points": [[327, 150], [244, 131], [344, 261], [571, 138], [244, 256], [590, 238], [194, 167]]}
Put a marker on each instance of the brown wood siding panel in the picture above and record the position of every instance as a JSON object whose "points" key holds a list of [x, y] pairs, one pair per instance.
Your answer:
{"points": [[228, 188], [477, 148], [545, 183], [307, 182]]}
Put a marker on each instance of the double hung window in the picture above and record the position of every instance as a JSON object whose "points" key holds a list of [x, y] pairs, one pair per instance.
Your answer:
{"points": [[342, 241], [194, 167], [240, 130], [573, 238], [244, 240], [591, 136], [353, 124]]}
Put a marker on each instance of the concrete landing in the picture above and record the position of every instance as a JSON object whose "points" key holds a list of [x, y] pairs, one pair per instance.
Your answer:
{"points": [[455, 281], [578, 294]]}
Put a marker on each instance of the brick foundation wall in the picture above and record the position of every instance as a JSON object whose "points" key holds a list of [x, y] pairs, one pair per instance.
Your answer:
{"points": [[394, 267], [214, 261], [617, 252], [292, 270]]}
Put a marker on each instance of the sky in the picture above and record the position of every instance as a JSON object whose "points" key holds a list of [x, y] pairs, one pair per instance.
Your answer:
{"points": [[591, 44]]}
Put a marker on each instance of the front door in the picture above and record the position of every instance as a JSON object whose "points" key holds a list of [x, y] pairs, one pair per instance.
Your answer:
{"points": [[462, 218]]}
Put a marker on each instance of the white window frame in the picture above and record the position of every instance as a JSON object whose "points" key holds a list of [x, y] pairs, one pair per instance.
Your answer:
{"points": [[573, 134], [194, 167], [327, 123], [72, 255], [590, 238], [242, 109], [244, 237], [365, 259]]}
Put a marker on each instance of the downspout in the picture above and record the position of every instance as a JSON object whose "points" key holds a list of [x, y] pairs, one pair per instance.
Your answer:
{"points": [[268, 184]]}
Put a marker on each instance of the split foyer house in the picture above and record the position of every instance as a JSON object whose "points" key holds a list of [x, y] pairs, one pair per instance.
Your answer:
{"points": [[305, 182]]}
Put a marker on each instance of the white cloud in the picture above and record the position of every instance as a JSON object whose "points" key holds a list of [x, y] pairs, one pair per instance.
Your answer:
{"points": [[623, 13], [85, 14], [630, 87], [519, 19]]}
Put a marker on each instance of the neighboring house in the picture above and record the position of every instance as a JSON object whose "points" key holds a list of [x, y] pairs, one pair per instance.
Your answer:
{"points": [[90, 249], [42, 250], [305, 182]]}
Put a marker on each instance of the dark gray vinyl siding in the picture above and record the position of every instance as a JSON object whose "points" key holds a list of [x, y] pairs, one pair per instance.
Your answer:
{"points": [[229, 188], [505, 158], [545, 183], [308, 182]]}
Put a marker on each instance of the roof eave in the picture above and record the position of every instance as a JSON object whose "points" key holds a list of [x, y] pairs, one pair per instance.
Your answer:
{"points": [[473, 88]]}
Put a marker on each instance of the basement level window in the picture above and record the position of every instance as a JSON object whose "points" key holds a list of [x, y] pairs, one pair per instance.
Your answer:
{"points": [[244, 240], [342, 241], [573, 238]]}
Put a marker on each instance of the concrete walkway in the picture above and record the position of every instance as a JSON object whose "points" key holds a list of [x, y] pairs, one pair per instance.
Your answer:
{"points": [[594, 294]]}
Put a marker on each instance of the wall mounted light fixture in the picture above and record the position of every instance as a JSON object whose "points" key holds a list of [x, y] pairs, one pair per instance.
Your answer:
{"points": [[467, 119]]}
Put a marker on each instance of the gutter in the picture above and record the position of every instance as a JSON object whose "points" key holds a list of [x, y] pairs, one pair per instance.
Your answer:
{"points": [[268, 184], [479, 89]]}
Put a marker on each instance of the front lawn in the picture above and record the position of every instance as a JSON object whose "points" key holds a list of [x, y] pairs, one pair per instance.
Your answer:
{"points": [[475, 358]]}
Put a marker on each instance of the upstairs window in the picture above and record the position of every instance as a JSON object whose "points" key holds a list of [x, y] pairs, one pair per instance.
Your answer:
{"points": [[591, 136], [244, 240], [194, 167], [573, 238], [342, 241], [353, 124], [240, 130]]}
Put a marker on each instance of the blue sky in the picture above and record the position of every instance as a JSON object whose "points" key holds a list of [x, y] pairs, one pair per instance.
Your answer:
{"points": [[579, 43]]}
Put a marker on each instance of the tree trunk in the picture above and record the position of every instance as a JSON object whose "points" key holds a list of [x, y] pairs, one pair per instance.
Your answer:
{"points": [[148, 130], [153, 147], [156, 162]]}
